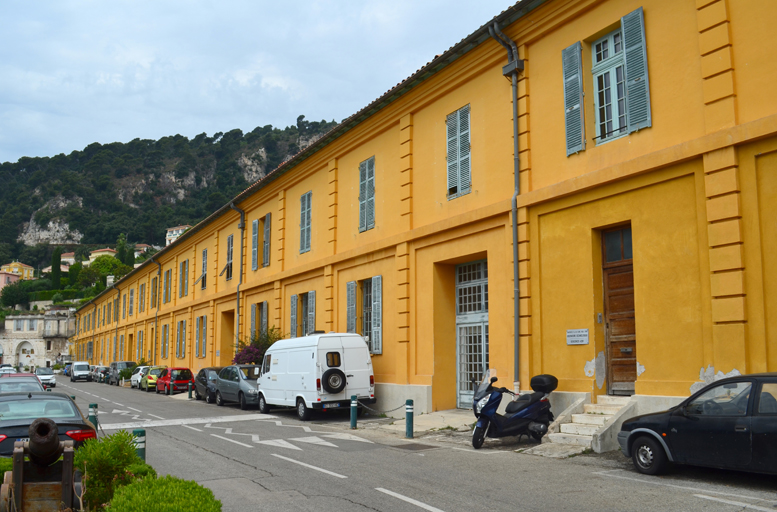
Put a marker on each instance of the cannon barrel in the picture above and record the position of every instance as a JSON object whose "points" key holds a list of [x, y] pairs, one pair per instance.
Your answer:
{"points": [[44, 447]]}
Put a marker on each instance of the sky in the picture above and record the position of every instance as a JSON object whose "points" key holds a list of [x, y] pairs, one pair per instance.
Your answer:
{"points": [[76, 72]]}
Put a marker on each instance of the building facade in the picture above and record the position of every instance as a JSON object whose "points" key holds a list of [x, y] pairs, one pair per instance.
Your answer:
{"points": [[18, 268], [647, 167], [173, 234], [7, 278], [37, 340]]}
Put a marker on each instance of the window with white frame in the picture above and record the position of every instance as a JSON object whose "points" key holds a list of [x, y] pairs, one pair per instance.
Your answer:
{"points": [[267, 230], [18, 325], [458, 156], [364, 308], [306, 209], [180, 346], [260, 237], [367, 194], [303, 314], [228, 266], [201, 327], [259, 319], [131, 301], [183, 280], [204, 275], [142, 298], [609, 74]]}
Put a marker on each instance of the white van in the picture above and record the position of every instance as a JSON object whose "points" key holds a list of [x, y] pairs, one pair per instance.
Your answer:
{"points": [[320, 371], [80, 370]]}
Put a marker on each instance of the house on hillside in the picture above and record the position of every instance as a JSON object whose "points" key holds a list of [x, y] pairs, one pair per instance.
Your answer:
{"points": [[63, 267], [141, 248], [68, 258], [174, 233], [25, 272], [93, 255], [7, 278]]}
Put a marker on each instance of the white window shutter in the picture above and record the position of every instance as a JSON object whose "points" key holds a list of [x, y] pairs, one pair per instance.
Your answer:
{"points": [[311, 311], [571, 60], [266, 244], [253, 321], [376, 337], [255, 244], [293, 315], [637, 86], [204, 333], [350, 299], [363, 196], [263, 321]]}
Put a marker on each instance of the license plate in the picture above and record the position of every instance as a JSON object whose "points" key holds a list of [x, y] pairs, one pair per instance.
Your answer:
{"points": [[330, 406], [25, 439]]}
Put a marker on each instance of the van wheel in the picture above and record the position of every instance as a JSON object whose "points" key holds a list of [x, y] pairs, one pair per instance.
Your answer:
{"points": [[242, 399], [303, 413], [219, 400], [333, 381], [263, 407]]}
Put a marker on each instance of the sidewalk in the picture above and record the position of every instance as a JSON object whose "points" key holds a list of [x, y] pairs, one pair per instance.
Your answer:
{"points": [[454, 419]]}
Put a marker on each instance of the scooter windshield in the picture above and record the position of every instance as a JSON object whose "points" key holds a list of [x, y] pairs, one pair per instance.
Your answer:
{"points": [[485, 383]]}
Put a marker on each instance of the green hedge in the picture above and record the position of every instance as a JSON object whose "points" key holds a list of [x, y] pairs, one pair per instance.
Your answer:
{"points": [[49, 294], [166, 494]]}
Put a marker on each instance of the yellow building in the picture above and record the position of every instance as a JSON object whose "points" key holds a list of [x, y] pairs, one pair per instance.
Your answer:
{"points": [[647, 157], [20, 269]]}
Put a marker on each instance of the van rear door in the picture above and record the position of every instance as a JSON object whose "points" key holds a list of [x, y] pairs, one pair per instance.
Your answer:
{"points": [[357, 366]]}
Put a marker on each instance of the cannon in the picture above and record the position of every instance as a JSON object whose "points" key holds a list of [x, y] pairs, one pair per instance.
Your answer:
{"points": [[43, 482]]}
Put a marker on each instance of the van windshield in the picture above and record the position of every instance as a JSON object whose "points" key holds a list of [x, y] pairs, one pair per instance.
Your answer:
{"points": [[81, 367], [250, 372]]}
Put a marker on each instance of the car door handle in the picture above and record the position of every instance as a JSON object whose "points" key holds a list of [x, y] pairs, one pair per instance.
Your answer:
{"points": [[740, 429]]}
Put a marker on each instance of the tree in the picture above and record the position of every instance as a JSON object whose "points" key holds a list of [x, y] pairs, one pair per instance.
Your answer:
{"points": [[121, 247], [56, 269], [129, 255], [14, 294], [106, 265], [88, 276], [73, 272]]}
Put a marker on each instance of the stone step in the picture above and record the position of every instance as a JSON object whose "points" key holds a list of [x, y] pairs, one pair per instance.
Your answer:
{"points": [[612, 400], [591, 419], [570, 439], [601, 409], [579, 428]]}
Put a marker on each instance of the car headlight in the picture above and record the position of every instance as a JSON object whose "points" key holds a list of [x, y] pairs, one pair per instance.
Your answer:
{"points": [[482, 403], [252, 391]]}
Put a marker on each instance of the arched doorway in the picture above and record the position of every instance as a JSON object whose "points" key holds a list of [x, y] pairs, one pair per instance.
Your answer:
{"points": [[25, 354]]}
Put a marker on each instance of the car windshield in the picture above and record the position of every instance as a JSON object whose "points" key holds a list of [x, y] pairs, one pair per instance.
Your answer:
{"points": [[26, 409], [181, 375], [155, 372], [44, 371], [81, 367], [14, 385], [213, 375], [250, 372]]}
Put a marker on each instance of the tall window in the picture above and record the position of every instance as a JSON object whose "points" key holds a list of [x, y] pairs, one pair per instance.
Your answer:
{"points": [[367, 194], [305, 221], [259, 319], [124, 306], [458, 154], [153, 292], [267, 230], [104, 316], [255, 244], [121, 346], [142, 298], [183, 281], [610, 86], [303, 314], [131, 300], [228, 266], [364, 300], [201, 326], [180, 346], [204, 275]]}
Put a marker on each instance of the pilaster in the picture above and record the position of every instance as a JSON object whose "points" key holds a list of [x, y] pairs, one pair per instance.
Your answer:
{"points": [[406, 172], [403, 310], [716, 65], [332, 207], [524, 147], [280, 228], [329, 298]]}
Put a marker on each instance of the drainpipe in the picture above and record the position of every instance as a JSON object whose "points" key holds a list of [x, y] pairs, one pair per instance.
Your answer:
{"points": [[242, 227], [156, 315], [513, 67]]}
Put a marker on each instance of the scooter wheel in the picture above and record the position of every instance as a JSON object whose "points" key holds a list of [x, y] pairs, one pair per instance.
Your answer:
{"points": [[478, 436]]}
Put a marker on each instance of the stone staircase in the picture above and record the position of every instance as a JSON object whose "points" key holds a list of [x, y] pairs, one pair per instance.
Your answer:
{"points": [[583, 426]]}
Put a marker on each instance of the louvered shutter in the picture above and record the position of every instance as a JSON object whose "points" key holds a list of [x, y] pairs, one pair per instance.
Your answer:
{"points": [[263, 321], [308, 220], [350, 307], [452, 126], [465, 175], [203, 284], [266, 244], [293, 316], [197, 336], [253, 321], [255, 244], [571, 59], [363, 196], [178, 339], [186, 278], [204, 333], [311, 311], [637, 86], [370, 193], [183, 340], [376, 337]]}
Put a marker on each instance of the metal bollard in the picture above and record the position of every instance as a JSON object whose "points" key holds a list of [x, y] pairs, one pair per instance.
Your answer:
{"points": [[354, 410], [140, 443], [93, 415], [409, 419], [190, 390]]}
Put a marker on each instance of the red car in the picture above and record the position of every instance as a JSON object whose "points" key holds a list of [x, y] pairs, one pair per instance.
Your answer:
{"points": [[177, 379]]}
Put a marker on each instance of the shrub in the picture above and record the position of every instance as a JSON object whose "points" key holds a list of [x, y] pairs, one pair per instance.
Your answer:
{"points": [[126, 373], [6, 464], [252, 351], [108, 464], [166, 494], [57, 297]]}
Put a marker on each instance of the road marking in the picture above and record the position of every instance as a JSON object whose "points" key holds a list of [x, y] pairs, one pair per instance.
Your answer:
{"points": [[232, 441], [681, 487], [735, 503], [409, 500], [192, 428], [155, 416], [313, 440], [179, 421], [133, 409], [312, 467], [347, 437], [481, 452], [280, 443], [120, 405]]}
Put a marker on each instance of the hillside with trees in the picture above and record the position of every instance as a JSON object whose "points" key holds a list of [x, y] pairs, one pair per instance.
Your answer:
{"points": [[85, 200]]}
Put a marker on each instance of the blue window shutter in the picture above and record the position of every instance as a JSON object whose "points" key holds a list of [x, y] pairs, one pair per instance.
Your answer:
{"points": [[183, 340], [465, 172], [376, 337], [178, 339], [197, 336], [571, 59], [266, 244], [309, 220], [263, 321], [253, 321], [255, 244], [363, 196], [293, 316], [311, 311], [350, 300], [370, 193], [452, 130], [637, 85]]}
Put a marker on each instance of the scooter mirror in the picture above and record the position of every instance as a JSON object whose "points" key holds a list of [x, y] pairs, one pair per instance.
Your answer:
{"points": [[493, 379]]}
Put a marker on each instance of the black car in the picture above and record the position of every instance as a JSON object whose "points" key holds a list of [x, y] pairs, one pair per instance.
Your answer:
{"points": [[205, 383], [730, 424], [19, 410]]}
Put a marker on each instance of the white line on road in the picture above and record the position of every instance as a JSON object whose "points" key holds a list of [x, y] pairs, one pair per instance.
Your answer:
{"points": [[155, 416], [735, 503], [120, 405], [133, 409], [309, 466], [192, 428], [481, 452], [180, 421], [232, 441], [409, 500]]}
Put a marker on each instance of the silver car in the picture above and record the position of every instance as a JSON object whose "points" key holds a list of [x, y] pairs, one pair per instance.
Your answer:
{"points": [[237, 383]]}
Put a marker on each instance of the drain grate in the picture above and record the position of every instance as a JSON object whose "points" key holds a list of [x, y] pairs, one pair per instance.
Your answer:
{"points": [[415, 446]]}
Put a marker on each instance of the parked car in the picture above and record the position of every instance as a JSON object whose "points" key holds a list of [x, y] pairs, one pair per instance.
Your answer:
{"points": [[6, 370], [80, 371], [237, 383], [174, 379], [115, 369], [730, 424], [148, 381], [97, 373], [205, 384], [66, 370], [21, 383], [320, 371], [19, 410], [46, 376], [137, 374]]}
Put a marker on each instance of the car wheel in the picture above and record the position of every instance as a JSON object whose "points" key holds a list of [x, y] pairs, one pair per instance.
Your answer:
{"points": [[197, 395], [219, 400], [263, 407], [241, 398], [156, 389], [208, 397], [303, 413], [648, 456], [478, 436]]}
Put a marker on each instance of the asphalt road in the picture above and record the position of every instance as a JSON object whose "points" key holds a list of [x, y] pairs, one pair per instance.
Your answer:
{"points": [[251, 460]]}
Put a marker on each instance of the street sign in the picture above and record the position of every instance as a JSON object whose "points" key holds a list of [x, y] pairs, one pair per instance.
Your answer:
{"points": [[577, 336]]}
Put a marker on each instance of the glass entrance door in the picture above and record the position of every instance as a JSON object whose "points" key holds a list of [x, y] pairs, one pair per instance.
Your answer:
{"points": [[471, 328]]}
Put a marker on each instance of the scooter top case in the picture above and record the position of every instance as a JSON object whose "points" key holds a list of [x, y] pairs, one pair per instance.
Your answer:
{"points": [[544, 383]]}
